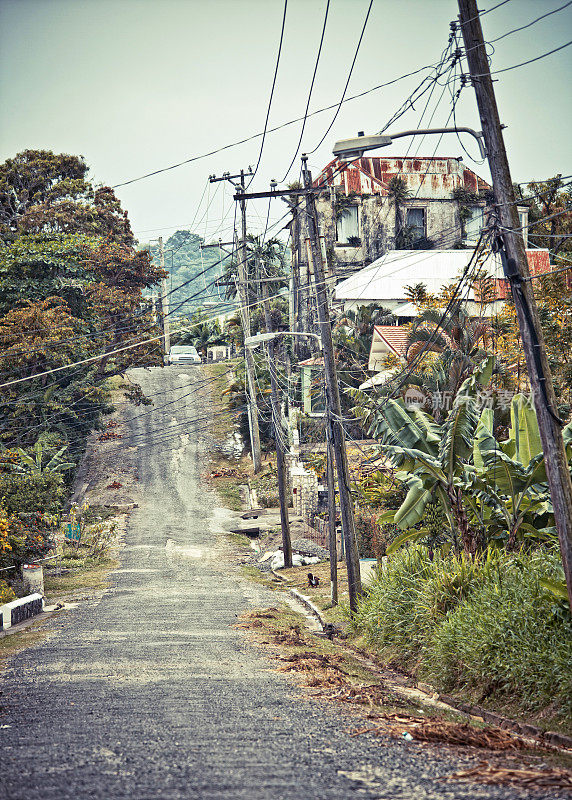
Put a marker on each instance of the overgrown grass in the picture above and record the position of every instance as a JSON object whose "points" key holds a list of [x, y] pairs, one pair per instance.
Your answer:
{"points": [[485, 628], [90, 574], [229, 492]]}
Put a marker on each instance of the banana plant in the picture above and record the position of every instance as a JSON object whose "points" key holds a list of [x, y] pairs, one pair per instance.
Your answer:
{"points": [[507, 489], [433, 459], [33, 464]]}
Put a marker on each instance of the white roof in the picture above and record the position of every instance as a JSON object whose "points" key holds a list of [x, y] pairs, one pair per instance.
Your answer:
{"points": [[387, 277]]}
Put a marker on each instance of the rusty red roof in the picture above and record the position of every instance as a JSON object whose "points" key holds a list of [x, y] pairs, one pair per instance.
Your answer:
{"points": [[436, 176], [395, 337], [538, 264]]}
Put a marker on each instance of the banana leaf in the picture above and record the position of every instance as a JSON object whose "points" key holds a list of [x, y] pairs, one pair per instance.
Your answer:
{"points": [[458, 435], [407, 536], [484, 439], [412, 509], [397, 427], [524, 430]]}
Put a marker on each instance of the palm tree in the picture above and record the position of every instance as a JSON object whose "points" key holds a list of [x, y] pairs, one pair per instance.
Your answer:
{"points": [[352, 340], [460, 343], [203, 334], [400, 193]]}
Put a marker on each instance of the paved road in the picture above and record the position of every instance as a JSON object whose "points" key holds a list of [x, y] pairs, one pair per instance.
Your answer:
{"points": [[150, 693]]}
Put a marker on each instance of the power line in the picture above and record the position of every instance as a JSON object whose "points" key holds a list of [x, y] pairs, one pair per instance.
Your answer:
{"points": [[528, 25], [271, 92], [348, 79], [276, 128], [310, 91], [524, 63]]}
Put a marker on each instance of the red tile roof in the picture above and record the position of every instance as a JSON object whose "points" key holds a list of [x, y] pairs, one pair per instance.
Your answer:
{"points": [[395, 337]]}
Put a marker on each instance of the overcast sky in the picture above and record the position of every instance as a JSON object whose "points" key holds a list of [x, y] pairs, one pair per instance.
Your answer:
{"points": [[138, 85]]}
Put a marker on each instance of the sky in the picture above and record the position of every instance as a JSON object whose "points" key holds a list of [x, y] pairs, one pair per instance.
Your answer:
{"points": [[138, 85]]}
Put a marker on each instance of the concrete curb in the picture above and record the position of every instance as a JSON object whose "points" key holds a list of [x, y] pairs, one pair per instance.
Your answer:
{"points": [[20, 610], [429, 695], [301, 598], [307, 603]]}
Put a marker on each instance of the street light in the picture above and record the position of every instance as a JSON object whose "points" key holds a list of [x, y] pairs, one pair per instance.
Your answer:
{"points": [[350, 149], [260, 338]]}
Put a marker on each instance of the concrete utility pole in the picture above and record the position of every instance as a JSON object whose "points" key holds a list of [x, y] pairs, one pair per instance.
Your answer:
{"points": [[333, 405], [278, 436], [243, 299], [516, 270], [164, 302]]}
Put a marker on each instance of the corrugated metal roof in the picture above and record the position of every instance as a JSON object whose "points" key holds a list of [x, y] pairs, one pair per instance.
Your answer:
{"points": [[434, 177], [386, 278]]}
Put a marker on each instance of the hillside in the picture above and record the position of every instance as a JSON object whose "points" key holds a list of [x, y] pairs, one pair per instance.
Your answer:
{"points": [[185, 261]]}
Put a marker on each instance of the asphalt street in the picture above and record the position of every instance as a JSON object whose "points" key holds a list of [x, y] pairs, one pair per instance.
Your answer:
{"points": [[149, 692]]}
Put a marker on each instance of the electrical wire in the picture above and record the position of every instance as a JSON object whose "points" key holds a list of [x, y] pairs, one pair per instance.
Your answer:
{"points": [[523, 63], [271, 93], [330, 126], [273, 130], [310, 91]]}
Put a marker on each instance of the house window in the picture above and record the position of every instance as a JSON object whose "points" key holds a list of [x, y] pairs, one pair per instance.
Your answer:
{"points": [[474, 222], [317, 393], [415, 222], [347, 226]]}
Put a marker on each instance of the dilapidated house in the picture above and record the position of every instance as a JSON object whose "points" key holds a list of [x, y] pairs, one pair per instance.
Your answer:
{"points": [[373, 205]]}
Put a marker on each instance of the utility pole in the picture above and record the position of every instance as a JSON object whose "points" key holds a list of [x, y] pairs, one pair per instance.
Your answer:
{"points": [[333, 405], [278, 436], [164, 302], [243, 299], [516, 270], [332, 519]]}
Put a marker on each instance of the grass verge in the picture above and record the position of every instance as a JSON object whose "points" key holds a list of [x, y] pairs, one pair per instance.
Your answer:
{"points": [[373, 707], [486, 630]]}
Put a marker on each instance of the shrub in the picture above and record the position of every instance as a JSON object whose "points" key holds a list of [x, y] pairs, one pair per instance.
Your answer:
{"points": [[510, 638], [483, 626], [6, 593], [42, 494], [387, 615]]}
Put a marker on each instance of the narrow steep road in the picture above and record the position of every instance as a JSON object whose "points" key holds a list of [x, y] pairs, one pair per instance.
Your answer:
{"points": [[151, 693]]}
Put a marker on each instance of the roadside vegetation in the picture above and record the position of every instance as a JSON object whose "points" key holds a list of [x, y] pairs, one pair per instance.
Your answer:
{"points": [[454, 504], [72, 286]]}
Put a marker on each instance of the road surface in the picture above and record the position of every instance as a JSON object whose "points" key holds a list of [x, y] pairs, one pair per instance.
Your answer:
{"points": [[150, 692]]}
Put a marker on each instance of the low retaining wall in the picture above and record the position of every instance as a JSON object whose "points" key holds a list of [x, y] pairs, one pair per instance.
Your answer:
{"points": [[20, 610]]}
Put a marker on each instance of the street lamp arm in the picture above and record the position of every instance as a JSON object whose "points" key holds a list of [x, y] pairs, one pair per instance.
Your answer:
{"points": [[423, 131], [350, 149], [260, 338]]}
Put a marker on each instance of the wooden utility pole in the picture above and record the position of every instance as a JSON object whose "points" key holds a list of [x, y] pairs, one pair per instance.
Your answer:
{"points": [[333, 405], [278, 436], [245, 316], [164, 302], [332, 519], [516, 270]]}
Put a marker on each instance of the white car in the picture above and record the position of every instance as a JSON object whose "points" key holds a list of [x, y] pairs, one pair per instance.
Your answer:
{"points": [[183, 354]]}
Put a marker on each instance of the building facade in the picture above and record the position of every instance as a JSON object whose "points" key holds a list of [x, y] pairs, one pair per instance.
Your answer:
{"points": [[439, 203]]}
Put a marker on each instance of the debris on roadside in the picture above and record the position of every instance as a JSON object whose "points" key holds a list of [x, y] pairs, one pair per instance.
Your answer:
{"points": [[550, 777], [224, 472], [443, 732], [292, 637]]}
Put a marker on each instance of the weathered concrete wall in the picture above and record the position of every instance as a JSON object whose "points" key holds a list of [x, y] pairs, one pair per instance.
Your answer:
{"points": [[431, 183], [377, 227]]}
